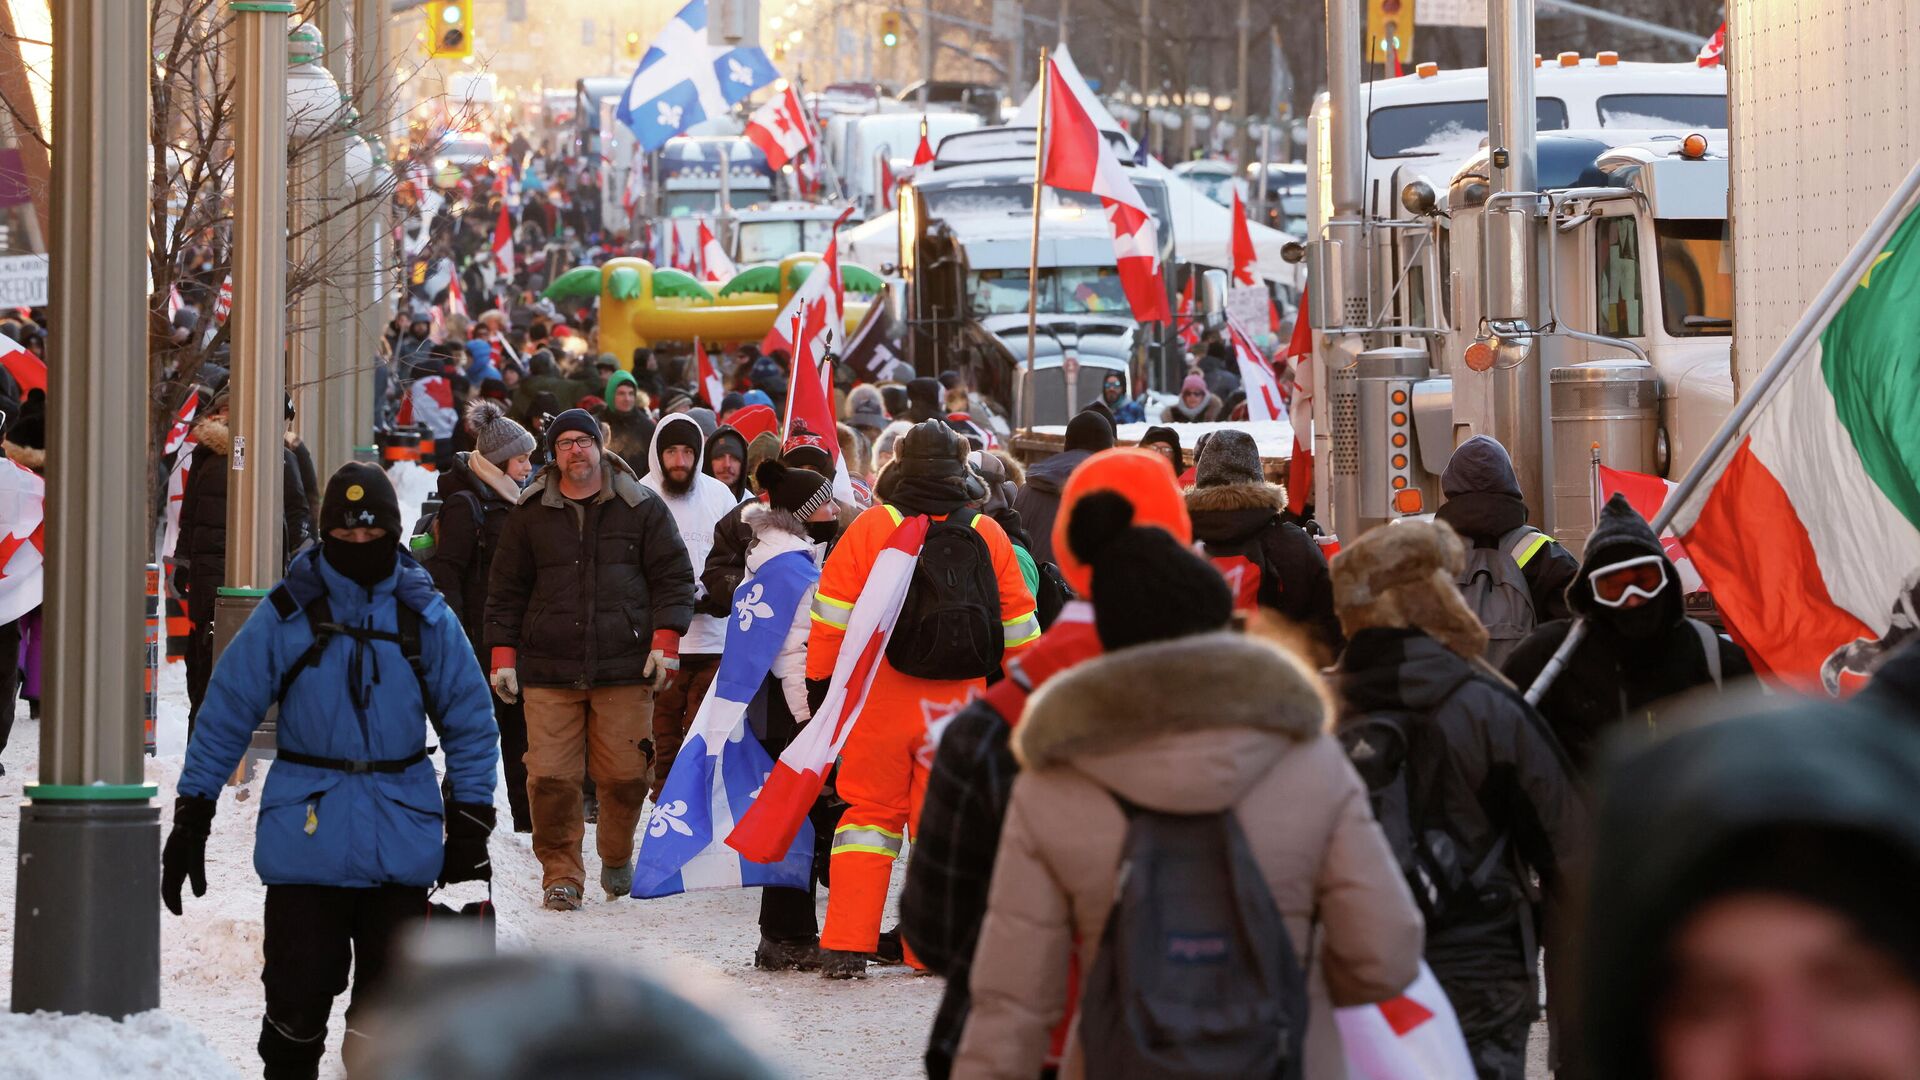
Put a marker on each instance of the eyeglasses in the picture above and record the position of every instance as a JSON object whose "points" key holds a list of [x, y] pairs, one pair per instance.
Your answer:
{"points": [[578, 442], [1193, 393], [1644, 577]]}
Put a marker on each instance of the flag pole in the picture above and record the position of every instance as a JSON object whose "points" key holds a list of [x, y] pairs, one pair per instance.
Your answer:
{"points": [[1033, 248], [1818, 314], [1593, 483]]}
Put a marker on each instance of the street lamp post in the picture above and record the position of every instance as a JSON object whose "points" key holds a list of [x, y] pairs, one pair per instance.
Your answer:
{"points": [[369, 87], [87, 914], [255, 488]]}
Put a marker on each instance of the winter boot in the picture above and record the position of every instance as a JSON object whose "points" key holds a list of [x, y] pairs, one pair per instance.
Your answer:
{"points": [[835, 964], [563, 897], [292, 1051], [888, 951], [617, 880], [787, 955]]}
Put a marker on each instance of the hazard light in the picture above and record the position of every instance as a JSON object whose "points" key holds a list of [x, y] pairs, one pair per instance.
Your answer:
{"points": [[1693, 147], [1569, 59], [1607, 59], [1427, 70], [1479, 356], [1407, 501]]}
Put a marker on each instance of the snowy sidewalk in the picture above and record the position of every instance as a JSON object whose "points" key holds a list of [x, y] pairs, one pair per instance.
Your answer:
{"points": [[701, 944]]}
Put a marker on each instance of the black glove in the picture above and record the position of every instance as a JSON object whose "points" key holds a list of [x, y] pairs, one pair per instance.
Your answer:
{"points": [[185, 855], [817, 694], [468, 826]]}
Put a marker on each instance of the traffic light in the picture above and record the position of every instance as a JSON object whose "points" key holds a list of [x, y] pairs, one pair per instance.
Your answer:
{"points": [[449, 29], [633, 45], [1389, 30], [889, 28]]}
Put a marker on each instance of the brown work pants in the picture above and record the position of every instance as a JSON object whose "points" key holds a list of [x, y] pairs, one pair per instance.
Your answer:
{"points": [[606, 727]]}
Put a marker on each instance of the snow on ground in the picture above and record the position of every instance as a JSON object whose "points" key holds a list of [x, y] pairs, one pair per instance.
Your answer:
{"points": [[45, 1046], [701, 944]]}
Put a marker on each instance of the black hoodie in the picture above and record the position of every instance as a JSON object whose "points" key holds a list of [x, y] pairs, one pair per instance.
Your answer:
{"points": [[736, 444], [1814, 801], [1630, 660], [1484, 504]]}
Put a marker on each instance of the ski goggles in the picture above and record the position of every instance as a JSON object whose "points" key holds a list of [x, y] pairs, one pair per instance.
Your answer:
{"points": [[1615, 584]]}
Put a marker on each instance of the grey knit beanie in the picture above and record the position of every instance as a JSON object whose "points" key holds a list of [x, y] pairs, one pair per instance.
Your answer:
{"points": [[1230, 456], [497, 438]]}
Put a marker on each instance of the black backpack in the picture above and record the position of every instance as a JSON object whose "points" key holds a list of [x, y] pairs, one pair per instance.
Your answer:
{"points": [[1386, 748], [949, 625], [1197, 976], [1052, 595], [321, 625]]}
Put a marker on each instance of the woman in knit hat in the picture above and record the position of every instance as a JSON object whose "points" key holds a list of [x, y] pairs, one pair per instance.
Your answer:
{"points": [[476, 492], [1197, 404]]}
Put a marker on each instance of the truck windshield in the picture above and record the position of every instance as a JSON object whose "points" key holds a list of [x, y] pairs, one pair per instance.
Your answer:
{"points": [[1663, 110], [1696, 284], [1451, 128], [688, 203], [999, 198], [1064, 290], [771, 241]]}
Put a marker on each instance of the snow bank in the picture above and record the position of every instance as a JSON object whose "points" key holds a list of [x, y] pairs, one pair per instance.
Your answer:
{"points": [[151, 1045]]}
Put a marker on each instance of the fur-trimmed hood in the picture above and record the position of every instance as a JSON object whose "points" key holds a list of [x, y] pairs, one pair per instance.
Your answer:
{"points": [[28, 457], [1132, 722], [1229, 513], [212, 432], [1402, 577]]}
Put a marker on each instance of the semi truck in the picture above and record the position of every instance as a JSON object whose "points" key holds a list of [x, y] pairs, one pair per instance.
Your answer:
{"points": [[1533, 251]]}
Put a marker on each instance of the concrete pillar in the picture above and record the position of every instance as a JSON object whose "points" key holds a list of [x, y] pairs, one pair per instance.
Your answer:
{"points": [[87, 915]]}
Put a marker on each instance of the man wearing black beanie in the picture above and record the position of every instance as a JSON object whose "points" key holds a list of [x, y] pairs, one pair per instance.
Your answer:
{"points": [[589, 593], [350, 834], [1088, 433]]}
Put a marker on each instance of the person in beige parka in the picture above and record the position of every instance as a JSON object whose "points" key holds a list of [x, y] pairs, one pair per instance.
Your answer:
{"points": [[1180, 716]]}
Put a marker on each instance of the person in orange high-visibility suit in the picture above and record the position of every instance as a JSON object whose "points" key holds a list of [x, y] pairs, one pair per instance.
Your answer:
{"points": [[883, 767]]}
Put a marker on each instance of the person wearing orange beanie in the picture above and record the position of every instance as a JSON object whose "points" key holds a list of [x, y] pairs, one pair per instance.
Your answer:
{"points": [[974, 769]]}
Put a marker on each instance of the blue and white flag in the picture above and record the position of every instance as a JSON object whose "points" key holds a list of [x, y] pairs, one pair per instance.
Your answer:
{"points": [[683, 80], [721, 766]]}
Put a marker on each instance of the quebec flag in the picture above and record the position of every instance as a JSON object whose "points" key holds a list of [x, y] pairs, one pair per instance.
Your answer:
{"points": [[683, 80], [721, 766]]}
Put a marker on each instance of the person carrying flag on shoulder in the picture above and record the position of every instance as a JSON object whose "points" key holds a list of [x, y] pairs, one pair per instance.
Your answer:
{"points": [[966, 609]]}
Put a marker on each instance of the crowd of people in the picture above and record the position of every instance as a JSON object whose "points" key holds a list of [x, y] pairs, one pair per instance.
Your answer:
{"points": [[1173, 785]]}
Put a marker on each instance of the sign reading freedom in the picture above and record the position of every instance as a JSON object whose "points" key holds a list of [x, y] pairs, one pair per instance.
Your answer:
{"points": [[23, 281]]}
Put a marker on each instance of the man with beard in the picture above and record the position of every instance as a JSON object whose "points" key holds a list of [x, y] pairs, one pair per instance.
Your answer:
{"points": [[725, 459], [589, 594], [1640, 648], [697, 502]]}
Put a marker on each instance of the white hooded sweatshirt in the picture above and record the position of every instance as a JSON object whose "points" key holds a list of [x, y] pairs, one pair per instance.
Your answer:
{"points": [[696, 512]]}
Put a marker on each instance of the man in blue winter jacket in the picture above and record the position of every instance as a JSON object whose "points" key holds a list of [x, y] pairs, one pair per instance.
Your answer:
{"points": [[359, 651]]}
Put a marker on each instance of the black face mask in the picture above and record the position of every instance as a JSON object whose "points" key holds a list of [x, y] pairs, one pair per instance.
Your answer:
{"points": [[822, 532], [365, 564]]}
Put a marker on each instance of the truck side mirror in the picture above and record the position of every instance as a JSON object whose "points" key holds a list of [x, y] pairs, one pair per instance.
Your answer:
{"points": [[1213, 298]]}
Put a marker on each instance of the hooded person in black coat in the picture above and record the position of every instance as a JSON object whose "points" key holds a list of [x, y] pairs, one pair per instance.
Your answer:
{"points": [[1633, 657], [1038, 500], [1753, 885], [1235, 511], [1485, 506], [726, 442], [1489, 775]]}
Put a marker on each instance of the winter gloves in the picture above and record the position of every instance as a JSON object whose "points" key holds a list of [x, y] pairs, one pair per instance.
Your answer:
{"points": [[817, 694], [185, 856], [468, 826], [663, 660], [504, 679]]}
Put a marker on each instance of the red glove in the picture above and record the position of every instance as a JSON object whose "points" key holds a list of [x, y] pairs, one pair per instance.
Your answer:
{"points": [[665, 642], [663, 659], [503, 657]]}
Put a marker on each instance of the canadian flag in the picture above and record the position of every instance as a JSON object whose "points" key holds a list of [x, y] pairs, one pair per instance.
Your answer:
{"points": [[27, 369], [1415, 1036], [886, 182], [179, 447], [456, 297], [503, 247], [1648, 494], [1242, 243], [1710, 52], [23, 500], [808, 309], [709, 378], [1079, 159], [1189, 328], [673, 241], [1300, 466], [815, 313], [924, 152], [1265, 397], [713, 257], [780, 128]]}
